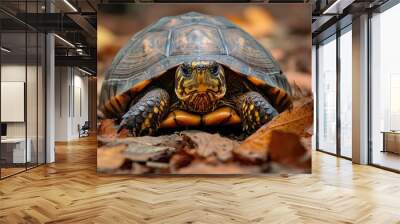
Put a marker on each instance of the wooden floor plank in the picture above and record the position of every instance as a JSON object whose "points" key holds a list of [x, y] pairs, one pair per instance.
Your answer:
{"points": [[70, 191]]}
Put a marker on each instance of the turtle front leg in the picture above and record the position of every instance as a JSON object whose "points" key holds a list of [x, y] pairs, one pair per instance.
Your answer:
{"points": [[144, 117], [221, 116], [254, 111]]}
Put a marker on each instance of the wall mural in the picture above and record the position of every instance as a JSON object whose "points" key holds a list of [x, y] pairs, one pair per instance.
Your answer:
{"points": [[199, 89]]}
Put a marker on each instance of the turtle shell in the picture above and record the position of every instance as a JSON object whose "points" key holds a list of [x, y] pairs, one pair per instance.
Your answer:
{"points": [[191, 36]]}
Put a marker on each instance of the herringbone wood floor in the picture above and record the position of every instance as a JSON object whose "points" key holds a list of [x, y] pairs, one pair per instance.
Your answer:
{"points": [[70, 191]]}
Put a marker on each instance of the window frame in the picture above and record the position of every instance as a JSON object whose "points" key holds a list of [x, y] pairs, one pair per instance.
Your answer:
{"points": [[339, 32]]}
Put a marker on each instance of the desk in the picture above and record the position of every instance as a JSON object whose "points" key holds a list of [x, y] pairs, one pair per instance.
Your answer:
{"points": [[15, 148], [391, 141]]}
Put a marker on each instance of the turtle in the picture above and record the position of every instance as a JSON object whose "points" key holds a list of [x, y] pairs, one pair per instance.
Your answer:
{"points": [[190, 71]]}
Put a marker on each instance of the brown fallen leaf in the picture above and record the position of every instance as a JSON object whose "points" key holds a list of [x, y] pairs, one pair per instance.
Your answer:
{"points": [[179, 160], [300, 94], [306, 142], [107, 131], [286, 149], [208, 145], [147, 148], [139, 169], [109, 158], [197, 152], [213, 150], [124, 133], [172, 141], [296, 121], [142, 152]]}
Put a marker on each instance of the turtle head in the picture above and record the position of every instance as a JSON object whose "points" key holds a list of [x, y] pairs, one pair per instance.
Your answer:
{"points": [[200, 84]]}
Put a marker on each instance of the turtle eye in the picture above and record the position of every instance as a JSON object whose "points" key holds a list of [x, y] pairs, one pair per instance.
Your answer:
{"points": [[214, 70], [186, 71]]}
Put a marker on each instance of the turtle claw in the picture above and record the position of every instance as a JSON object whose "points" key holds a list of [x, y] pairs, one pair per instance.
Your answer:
{"points": [[123, 126]]}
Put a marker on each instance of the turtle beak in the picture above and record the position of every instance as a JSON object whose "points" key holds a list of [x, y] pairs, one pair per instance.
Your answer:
{"points": [[201, 80]]}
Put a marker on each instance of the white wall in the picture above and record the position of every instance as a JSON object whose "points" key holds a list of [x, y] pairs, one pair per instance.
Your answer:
{"points": [[71, 102], [12, 73], [34, 125], [61, 103], [80, 110]]}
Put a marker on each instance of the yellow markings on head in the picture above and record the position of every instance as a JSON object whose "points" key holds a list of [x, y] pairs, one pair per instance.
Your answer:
{"points": [[202, 88], [200, 84]]}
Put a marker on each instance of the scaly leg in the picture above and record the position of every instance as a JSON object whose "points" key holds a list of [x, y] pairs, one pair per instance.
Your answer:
{"points": [[254, 110], [145, 116]]}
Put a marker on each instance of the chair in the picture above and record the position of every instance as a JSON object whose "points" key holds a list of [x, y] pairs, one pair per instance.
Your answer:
{"points": [[84, 130]]}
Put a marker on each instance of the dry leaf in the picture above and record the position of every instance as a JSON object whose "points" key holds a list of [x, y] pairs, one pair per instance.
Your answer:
{"points": [[142, 153], [109, 158], [157, 165], [210, 145], [195, 152], [172, 141], [286, 149], [179, 160], [296, 121], [139, 169], [106, 128], [149, 148], [108, 131]]}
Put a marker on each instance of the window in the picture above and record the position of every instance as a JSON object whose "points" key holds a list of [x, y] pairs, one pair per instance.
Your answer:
{"points": [[385, 89], [346, 75], [327, 96], [22, 101], [334, 106]]}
